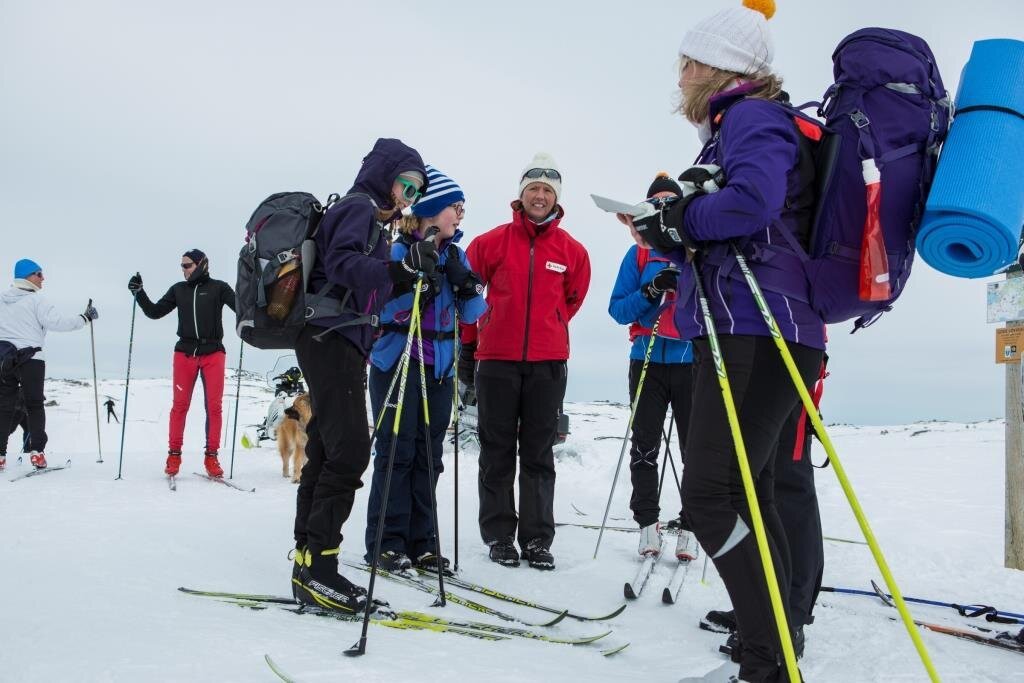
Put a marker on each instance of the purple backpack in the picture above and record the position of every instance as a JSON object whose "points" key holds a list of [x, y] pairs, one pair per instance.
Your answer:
{"points": [[887, 104]]}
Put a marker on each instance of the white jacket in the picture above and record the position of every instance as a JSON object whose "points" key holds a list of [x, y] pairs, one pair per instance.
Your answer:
{"points": [[26, 316]]}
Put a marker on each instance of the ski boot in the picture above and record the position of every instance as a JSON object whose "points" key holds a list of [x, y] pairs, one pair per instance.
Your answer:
{"points": [[295, 555], [650, 540], [718, 621], [212, 465], [504, 553], [3, 463], [538, 556], [38, 459], [319, 583], [427, 561], [394, 562], [173, 463], [686, 551]]}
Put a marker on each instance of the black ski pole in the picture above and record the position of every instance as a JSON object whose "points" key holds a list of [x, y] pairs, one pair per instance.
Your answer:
{"points": [[95, 388], [127, 379], [238, 392], [360, 647], [457, 350], [428, 437]]}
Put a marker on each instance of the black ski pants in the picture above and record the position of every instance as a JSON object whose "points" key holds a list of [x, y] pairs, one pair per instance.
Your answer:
{"points": [[409, 516], [797, 503], [518, 406], [29, 378], [713, 493], [338, 449], [665, 384]]}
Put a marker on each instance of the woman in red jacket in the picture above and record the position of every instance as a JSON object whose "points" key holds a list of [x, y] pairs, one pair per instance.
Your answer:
{"points": [[536, 276]]}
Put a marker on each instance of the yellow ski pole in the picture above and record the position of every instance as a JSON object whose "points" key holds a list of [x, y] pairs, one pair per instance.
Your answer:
{"points": [[748, 486], [837, 466]]}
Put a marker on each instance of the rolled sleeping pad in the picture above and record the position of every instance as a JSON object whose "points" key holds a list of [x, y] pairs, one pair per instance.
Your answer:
{"points": [[975, 209]]}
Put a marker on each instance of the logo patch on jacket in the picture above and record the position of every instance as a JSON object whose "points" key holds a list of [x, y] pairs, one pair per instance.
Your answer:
{"points": [[557, 267]]}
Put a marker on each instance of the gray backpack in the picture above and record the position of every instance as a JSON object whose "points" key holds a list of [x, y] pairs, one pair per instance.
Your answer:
{"points": [[272, 304]]}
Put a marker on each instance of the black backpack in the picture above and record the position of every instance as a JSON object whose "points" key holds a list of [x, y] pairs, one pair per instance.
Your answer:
{"points": [[279, 246], [11, 357]]}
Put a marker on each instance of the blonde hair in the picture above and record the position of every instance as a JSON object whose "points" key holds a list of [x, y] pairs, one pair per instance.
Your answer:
{"points": [[409, 224], [695, 99]]}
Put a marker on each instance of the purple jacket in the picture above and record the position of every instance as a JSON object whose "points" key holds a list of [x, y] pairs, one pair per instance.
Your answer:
{"points": [[344, 234], [756, 145]]}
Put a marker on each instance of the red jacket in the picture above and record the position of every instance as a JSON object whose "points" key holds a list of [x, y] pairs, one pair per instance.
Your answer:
{"points": [[536, 278]]}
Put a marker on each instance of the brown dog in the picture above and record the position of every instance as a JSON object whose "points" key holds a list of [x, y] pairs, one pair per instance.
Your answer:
{"points": [[291, 437]]}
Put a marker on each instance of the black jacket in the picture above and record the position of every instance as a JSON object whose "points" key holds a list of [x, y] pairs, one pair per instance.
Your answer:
{"points": [[199, 305]]}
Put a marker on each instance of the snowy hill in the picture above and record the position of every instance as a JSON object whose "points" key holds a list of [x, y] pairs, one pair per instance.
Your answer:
{"points": [[91, 565]]}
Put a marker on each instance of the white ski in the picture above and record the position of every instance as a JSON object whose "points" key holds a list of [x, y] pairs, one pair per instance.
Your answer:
{"points": [[633, 588], [226, 482], [670, 593], [35, 473]]}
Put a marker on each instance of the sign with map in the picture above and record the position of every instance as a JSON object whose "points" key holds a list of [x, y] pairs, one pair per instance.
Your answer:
{"points": [[1005, 300]]}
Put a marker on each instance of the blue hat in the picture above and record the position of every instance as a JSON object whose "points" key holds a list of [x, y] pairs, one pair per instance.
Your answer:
{"points": [[26, 267], [442, 191]]}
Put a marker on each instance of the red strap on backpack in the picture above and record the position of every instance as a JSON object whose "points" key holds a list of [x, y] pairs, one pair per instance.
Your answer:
{"points": [[801, 425]]}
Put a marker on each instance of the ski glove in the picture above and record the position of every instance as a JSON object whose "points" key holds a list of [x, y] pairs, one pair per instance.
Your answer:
{"points": [[90, 313], [464, 281], [421, 258], [135, 284], [665, 281], [663, 226]]}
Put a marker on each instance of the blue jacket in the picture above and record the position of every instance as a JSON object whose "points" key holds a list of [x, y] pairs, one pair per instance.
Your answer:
{"points": [[439, 316], [756, 145], [344, 235], [628, 305]]}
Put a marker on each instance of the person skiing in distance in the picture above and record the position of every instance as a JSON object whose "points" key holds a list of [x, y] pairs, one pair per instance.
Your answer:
{"points": [[199, 352], [644, 282], [109, 403], [25, 318], [352, 245], [409, 525], [731, 94], [537, 277]]}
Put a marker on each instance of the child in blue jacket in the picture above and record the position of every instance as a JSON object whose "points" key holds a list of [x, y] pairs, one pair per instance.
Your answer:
{"points": [[645, 290], [408, 523]]}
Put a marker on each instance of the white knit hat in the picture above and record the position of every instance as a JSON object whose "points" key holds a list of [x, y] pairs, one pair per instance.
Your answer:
{"points": [[544, 162], [736, 39]]}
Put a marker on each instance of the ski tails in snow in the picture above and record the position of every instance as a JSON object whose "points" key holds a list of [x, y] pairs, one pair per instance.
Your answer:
{"points": [[37, 473], [633, 588], [226, 482]]}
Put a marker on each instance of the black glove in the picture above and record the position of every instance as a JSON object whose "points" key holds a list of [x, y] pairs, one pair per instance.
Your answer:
{"points": [[421, 258], [662, 228], [464, 282], [467, 364], [90, 313], [135, 284], [666, 280]]}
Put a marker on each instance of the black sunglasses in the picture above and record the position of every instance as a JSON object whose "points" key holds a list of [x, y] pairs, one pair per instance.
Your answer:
{"points": [[188, 266], [534, 173]]}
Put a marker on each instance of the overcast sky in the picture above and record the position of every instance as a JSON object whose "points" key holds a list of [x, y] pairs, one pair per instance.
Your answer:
{"points": [[131, 132]]}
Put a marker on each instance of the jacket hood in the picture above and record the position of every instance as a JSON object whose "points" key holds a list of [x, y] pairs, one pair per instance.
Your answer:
{"points": [[388, 158], [15, 292]]}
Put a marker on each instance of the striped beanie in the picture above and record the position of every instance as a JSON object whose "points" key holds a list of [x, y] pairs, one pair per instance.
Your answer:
{"points": [[441, 192]]}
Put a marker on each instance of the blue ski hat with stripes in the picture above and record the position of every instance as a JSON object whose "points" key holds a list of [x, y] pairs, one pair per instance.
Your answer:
{"points": [[441, 192]]}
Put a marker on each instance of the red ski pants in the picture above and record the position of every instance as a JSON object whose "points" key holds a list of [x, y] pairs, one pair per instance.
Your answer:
{"points": [[186, 370]]}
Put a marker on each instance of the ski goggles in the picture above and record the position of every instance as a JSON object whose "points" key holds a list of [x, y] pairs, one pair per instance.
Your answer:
{"points": [[535, 173], [410, 191]]}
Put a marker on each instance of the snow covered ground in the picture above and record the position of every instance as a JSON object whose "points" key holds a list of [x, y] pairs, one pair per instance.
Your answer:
{"points": [[91, 565]]}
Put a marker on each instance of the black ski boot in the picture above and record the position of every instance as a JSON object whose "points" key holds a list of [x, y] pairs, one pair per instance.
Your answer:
{"points": [[320, 584], [718, 621], [394, 562], [538, 556], [295, 555], [428, 562], [504, 554]]}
